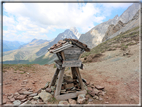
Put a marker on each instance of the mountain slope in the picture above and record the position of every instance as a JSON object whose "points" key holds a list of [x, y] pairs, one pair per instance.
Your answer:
{"points": [[95, 35]]}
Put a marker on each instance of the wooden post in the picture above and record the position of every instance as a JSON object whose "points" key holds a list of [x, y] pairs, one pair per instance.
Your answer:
{"points": [[59, 82], [79, 78], [73, 73], [54, 78]]}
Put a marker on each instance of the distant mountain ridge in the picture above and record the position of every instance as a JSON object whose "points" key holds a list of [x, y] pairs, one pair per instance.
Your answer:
{"points": [[94, 37]]}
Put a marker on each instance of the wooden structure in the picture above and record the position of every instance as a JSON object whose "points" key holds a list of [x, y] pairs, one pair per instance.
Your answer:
{"points": [[68, 52]]}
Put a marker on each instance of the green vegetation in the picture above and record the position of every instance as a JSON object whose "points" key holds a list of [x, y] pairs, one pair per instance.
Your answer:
{"points": [[117, 42], [20, 67], [53, 100]]}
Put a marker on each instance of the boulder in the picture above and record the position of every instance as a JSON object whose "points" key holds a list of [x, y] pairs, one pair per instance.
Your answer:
{"points": [[45, 96], [81, 98]]}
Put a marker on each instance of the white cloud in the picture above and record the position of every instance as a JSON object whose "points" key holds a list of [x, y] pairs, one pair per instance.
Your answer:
{"points": [[34, 20]]}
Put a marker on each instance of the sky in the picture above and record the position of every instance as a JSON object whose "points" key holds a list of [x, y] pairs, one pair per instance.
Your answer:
{"points": [[25, 21]]}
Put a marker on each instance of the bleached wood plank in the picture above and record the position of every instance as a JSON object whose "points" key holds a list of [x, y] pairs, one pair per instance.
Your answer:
{"points": [[54, 78], [79, 78], [59, 82], [76, 63]]}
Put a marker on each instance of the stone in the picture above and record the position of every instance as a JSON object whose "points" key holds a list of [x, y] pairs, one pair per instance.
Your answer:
{"points": [[71, 101], [12, 99], [69, 85], [100, 99], [16, 94], [99, 87], [68, 79], [24, 100], [85, 86], [45, 96], [27, 93], [81, 98], [63, 87], [47, 84], [32, 95], [36, 97], [90, 99], [63, 102], [48, 90], [89, 88], [106, 102], [96, 97], [17, 102], [53, 88], [20, 97], [4, 101], [90, 103], [95, 91], [52, 93], [87, 96]]}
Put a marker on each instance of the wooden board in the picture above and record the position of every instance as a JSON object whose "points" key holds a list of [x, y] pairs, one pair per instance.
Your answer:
{"points": [[70, 95], [76, 63], [59, 82], [72, 51], [54, 78]]}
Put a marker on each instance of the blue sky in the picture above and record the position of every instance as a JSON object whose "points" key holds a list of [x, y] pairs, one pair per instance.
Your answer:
{"points": [[26, 21]]}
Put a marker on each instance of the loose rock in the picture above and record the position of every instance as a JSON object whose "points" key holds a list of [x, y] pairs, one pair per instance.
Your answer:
{"points": [[36, 97], [27, 93], [48, 90], [99, 87], [81, 98], [32, 95], [63, 102], [71, 101], [45, 96], [21, 97], [47, 84], [17, 102]]}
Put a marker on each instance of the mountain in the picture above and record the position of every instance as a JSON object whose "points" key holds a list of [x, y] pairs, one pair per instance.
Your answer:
{"points": [[36, 51], [34, 42], [94, 37], [75, 32], [120, 27], [11, 45], [66, 34]]}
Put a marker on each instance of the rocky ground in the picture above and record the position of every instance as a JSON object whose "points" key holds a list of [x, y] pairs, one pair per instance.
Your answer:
{"points": [[112, 79]]}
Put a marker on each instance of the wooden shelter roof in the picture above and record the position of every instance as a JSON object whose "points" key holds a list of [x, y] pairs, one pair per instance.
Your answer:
{"points": [[66, 43]]}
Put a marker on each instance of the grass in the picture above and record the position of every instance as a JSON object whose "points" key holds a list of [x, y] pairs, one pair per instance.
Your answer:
{"points": [[20, 67], [119, 39]]}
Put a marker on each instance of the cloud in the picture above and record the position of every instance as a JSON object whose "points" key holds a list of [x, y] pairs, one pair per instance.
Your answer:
{"points": [[35, 20]]}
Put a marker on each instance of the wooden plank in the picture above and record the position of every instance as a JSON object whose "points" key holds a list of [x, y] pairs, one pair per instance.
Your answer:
{"points": [[70, 95], [59, 82], [76, 63], [58, 62], [79, 78], [63, 56], [73, 73], [72, 51], [61, 48], [54, 78]]}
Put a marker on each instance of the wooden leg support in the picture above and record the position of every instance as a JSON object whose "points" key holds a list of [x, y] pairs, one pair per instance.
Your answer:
{"points": [[79, 78], [73, 73], [59, 82], [54, 78]]}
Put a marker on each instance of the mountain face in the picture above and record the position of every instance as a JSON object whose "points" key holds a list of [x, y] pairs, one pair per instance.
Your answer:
{"points": [[34, 42], [75, 32], [96, 34], [134, 22], [66, 34], [11, 45]]}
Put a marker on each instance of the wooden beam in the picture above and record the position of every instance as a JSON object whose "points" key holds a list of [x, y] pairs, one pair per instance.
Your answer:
{"points": [[63, 56], [74, 63], [73, 73], [79, 78], [54, 78], [59, 82]]}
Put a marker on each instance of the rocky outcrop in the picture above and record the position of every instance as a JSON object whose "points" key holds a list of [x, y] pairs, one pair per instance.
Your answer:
{"points": [[113, 29], [134, 22], [96, 34]]}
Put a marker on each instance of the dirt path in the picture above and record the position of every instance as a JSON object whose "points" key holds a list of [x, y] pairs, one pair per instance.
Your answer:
{"points": [[119, 74]]}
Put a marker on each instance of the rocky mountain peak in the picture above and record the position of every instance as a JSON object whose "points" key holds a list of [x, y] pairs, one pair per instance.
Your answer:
{"points": [[75, 32]]}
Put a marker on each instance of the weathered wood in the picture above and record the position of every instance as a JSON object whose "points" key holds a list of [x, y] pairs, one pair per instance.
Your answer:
{"points": [[63, 56], [59, 56], [58, 62], [79, 78], [72, 51], [76, 63], [62, 48], [59, 82], [73, 73], [54, 78], [70, 95]]}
